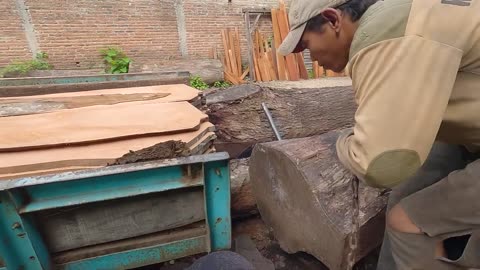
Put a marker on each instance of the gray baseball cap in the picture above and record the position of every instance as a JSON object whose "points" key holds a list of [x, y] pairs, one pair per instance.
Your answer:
{"points": [[301, 11]]}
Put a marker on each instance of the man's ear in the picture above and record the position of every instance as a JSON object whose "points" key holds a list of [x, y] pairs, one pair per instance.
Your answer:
{"points": [[333, 17]]}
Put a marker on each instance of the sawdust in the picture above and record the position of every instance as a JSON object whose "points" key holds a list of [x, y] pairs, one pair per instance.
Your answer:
{"points": [[165, 150]]}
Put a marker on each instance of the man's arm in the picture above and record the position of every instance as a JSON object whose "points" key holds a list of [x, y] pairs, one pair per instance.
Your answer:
{"points": [[402, 87]]}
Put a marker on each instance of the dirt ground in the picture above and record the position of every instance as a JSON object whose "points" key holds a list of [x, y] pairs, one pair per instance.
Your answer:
{"points": [[268, 247], [169, 149]]}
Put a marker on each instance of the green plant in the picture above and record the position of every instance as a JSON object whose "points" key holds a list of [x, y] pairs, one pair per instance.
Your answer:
{"points": [[198, 83], [16, 68], [311, 74], [116, 61], [270, 40], [221, 84]]}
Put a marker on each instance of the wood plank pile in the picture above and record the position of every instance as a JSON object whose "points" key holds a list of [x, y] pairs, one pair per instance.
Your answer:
{"points": [[290, 67], [267, 63], [232, 59], [71, 131]]}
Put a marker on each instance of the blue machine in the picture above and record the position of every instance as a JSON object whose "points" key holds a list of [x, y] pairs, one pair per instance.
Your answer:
{"points": [[23, 245]]}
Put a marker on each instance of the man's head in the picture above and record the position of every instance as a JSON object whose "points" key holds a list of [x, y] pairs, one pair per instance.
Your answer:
{"points": [[326, 28]]}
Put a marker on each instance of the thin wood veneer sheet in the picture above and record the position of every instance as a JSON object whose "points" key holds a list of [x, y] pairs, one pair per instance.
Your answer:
{"points": [[55, 160], [97, 124], [177, 92], [15, 107]]}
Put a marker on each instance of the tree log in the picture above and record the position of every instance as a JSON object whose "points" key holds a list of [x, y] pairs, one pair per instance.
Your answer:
{"points": [[240, 121], [304, 193], [243, 200]]}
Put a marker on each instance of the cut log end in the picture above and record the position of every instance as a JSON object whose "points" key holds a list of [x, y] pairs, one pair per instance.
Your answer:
{"points": [[304, 194]]}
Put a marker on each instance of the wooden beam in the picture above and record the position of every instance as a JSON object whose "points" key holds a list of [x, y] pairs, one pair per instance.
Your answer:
{"points": [[292, 67], [280, 65], [301, 66], [248, 34], [238, 52]]}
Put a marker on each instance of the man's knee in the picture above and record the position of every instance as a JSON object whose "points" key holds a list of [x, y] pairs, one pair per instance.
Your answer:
{"points": [[398, 220]]}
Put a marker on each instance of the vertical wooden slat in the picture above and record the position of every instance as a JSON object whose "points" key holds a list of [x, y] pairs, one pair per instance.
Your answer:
{"points": [[256, 59], [321, 71], [269, 57], [225, 47], [301, 66], [278, 41], [260, 42], [251, 61], [265, 69], [292, 68], [232, 54], [233, 64], [238, 52]]}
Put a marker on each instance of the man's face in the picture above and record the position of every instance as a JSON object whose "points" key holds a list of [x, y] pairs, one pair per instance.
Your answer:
{"points": [[328, 46]]}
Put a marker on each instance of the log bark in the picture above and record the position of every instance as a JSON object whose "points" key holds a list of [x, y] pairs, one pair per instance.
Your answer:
{"points": [[304, 193], [239, 118], [243, 201]]}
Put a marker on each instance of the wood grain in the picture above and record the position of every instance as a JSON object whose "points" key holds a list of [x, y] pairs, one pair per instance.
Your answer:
{"points": [[297, 112], [48, 161], [97, 124], [304, 193]]}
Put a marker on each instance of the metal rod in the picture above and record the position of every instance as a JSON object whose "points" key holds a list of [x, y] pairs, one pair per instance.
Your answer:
{"points": [[270, 120]]}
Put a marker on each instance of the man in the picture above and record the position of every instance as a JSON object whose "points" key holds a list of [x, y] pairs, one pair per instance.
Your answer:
{"points": [[415, 67]]}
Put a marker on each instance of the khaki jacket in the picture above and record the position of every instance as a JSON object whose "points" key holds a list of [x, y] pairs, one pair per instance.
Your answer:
{"points": [[415, 67]]}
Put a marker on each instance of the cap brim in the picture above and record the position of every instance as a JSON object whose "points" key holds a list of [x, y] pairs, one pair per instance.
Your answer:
{"points": [[291, 42]]}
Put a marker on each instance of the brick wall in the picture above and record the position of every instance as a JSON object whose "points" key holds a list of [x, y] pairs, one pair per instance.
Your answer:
{"points": [[13, 42], [73, 31]]}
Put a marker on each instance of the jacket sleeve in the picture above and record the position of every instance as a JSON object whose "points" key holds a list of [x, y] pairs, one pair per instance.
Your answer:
{"points": [[402, 88]]}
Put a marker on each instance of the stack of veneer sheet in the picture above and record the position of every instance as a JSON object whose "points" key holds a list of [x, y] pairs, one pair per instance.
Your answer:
{"points": [[56, 133]]}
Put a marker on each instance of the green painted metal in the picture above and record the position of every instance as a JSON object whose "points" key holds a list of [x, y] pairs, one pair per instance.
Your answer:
{"points": [[25, 249], [85, 174], [89, 78], [217, 199], [103, 188], [22, 247], [141, 257]]}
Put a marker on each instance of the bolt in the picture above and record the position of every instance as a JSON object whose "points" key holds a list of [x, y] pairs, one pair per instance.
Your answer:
{"points": [[21, 235], [16, 225], [32, 258]]}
